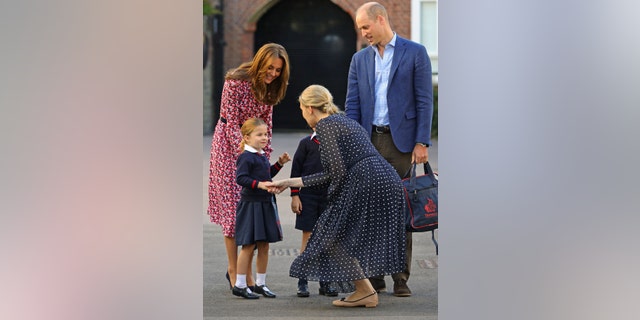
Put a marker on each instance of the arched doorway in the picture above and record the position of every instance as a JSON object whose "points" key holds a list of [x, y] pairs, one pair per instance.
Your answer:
{"points": [[320, 38]]}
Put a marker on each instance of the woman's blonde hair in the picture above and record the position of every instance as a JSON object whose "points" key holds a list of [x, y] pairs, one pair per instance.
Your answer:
{"points": [[318, 97], [255, 71], [248, 127]]}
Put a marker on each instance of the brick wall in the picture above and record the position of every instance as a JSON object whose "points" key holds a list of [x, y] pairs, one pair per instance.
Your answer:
{"points": [[241, 16], [240, 19]]}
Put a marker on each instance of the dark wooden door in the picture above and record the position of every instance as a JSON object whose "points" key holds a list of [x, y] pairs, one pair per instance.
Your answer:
{"points": [[320, 39]]}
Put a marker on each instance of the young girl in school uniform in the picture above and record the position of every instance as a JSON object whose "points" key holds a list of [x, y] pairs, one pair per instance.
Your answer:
{"points": [[257, 222], [308, 203]]}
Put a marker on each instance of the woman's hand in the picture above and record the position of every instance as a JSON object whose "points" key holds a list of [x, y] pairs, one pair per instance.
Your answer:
{"points": [[278, 186]]}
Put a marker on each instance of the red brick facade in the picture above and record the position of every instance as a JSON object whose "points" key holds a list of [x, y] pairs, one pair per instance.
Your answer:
{"points": [[241, 16]]}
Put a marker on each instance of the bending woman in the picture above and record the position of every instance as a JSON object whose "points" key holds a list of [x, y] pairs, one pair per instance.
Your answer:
{"points": [[361, 233]]}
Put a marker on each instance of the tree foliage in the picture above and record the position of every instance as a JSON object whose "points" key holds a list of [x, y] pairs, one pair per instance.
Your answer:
{"points": [[208, 10]]}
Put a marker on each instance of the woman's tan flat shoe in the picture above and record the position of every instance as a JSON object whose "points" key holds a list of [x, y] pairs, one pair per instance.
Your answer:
{"points": [[370, 301]]}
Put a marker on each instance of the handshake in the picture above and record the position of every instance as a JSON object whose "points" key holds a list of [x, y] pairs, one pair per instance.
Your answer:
{"points": [[275, 187], [278, 186]]}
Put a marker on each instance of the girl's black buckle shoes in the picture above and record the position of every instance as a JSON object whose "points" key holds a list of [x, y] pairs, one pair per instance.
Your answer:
{"points": [[243, 292], [263, 290]]}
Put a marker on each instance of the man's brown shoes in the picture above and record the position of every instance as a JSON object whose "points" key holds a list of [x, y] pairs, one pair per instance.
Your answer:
{"points": [[400, 289]]}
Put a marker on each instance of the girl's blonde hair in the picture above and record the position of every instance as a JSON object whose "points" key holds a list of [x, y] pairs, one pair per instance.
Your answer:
{"points": [[318, 97], [255, 71], [248, 127]]}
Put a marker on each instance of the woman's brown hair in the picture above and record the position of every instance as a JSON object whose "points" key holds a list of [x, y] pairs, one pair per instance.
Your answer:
{"points": [[255, 70]]}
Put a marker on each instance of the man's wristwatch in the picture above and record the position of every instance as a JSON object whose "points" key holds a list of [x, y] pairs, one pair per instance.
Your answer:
{"points": [[422, 144]]}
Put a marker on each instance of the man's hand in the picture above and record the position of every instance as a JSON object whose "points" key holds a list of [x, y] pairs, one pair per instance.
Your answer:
{"points": [[420, 154]]}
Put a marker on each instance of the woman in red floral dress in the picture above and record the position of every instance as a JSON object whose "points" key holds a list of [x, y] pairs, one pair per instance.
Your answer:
{"points": [[249, 91]]}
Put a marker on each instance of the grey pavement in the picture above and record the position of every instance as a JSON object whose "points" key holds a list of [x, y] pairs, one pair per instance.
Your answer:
{"points": [[219, 303]]}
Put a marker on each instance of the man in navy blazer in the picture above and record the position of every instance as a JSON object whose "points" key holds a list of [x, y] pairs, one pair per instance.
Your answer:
{"points": [[390, 94]]}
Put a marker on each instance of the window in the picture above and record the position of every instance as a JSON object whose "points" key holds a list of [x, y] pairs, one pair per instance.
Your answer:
{"points": [[424, 28]]}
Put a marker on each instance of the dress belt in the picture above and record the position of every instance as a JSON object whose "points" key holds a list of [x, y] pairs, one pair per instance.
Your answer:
{"points": [[381, 129], [223, 120]]}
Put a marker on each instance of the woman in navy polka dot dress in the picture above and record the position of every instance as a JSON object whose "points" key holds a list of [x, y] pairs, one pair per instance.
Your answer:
{"points": [[361, 233]]}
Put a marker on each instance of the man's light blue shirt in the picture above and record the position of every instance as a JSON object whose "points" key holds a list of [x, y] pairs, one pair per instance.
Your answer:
{"points": [[383, 68]]}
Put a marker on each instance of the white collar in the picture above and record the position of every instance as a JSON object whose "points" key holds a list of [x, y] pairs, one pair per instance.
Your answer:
{"points": [[252, 149]]}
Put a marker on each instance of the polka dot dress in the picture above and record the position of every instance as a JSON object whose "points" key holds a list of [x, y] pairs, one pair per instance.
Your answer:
{"points": [[362, 233]]}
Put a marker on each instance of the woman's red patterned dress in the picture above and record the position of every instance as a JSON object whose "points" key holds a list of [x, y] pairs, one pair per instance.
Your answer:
{"points": [[237, 105]]}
